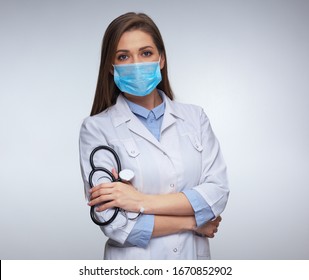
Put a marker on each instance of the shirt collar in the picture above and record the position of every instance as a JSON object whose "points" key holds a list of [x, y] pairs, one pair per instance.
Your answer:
{"points": [[143, 112], [121, 112]]}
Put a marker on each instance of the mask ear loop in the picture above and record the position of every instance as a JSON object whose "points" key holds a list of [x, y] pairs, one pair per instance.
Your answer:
{"points": [[159, 62]]}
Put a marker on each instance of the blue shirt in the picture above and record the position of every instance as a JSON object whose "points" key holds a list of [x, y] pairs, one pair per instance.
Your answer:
{"points": [[142, 230], [152, 119]]}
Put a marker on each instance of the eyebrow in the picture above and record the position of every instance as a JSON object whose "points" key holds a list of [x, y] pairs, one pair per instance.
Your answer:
{"points": [[140, 49]]}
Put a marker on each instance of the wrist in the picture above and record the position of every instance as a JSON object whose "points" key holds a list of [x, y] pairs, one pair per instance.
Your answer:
{"points": [[190, 225], [144, 204]]}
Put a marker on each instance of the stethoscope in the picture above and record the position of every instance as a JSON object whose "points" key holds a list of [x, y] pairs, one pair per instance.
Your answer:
{"points": [[123, 176]]}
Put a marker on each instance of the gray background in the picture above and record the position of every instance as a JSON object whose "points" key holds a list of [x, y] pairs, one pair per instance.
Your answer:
{"points": [[245, 62]]}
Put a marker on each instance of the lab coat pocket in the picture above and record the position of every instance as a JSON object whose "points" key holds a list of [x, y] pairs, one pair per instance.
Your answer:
{"points": [[196, 143], [131, 148], [202, 247], [193, 154]]}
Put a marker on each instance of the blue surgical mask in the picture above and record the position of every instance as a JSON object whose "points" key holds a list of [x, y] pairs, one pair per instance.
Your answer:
{"points": [[138, 79]]}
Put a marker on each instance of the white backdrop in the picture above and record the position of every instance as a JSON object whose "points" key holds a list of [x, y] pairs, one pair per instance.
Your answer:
{"points": [[246, 62]]}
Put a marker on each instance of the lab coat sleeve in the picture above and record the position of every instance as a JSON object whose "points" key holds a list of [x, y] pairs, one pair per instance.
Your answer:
{"points": [[202, 210], [141, 233], [91, 136], [213, 185]]}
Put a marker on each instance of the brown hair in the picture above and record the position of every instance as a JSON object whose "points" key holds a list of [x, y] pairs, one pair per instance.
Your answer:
{"points": [[107, 92]]}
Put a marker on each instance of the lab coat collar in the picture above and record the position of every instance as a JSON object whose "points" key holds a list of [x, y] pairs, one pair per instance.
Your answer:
{"points": [[170, 115], [121, 114]]}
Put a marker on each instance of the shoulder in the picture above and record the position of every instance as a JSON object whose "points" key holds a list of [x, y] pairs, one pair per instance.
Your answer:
{"points": [[187, 111], [191, 116], [94, 124], [187, 107], [98, 118]]}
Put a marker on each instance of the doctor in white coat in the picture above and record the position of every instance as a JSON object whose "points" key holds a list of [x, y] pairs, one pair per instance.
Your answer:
{"points": [[180, 185]]}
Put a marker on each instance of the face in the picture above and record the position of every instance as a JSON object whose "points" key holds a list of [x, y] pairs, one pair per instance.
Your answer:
{"points": [[135, 47]]}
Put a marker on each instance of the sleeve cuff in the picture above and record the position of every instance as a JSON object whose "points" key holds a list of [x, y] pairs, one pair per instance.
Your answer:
{"points": [[142, 231], [202, 210]]}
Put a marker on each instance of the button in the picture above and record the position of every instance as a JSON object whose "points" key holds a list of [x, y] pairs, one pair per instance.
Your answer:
{"points": [[175, 250], [172, 185], [133, 152]]}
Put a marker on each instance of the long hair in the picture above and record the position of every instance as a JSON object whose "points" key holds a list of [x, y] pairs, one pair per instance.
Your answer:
{"points": [[107, 92]]}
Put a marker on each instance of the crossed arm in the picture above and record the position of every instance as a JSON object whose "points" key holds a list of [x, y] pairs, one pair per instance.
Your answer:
{"points": [[173, 212]]}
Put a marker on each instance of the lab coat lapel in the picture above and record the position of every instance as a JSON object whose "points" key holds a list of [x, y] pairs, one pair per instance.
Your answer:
{"points": [[170, 115], [122, 114], [136, 126], [168, 121]]}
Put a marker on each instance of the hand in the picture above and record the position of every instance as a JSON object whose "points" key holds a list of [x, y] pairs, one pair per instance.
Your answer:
{"points": [[210, 228], [115, 194]]}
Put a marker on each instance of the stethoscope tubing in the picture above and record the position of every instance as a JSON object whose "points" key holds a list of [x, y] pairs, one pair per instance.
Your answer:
{"points": [[102, 169]]}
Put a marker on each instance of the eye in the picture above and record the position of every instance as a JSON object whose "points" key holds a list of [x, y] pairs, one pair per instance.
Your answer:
{"points": [[122, 57], [147, 53]]}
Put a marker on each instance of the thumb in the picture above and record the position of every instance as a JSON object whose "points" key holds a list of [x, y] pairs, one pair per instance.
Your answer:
{"points": [[114, 172]]}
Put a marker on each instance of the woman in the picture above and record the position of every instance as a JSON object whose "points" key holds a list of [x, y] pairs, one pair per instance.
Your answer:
{"points": [[180, 184]]}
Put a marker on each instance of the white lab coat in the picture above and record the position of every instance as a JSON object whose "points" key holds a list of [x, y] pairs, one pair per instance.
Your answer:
{"points": [[187, 156]]}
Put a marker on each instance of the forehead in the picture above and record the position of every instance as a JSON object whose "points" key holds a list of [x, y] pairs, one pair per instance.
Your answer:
{"points": [[134, 39]]}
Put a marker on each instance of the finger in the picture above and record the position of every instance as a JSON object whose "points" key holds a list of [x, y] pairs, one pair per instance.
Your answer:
{"points": [[102, 195], [101, 192], [217, 221], [100, 199], [104, 185], [216, 224], [105, 206], [115, 174]]}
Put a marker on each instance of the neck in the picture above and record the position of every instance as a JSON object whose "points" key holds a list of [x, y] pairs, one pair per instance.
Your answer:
{"points": [[149, 101]]}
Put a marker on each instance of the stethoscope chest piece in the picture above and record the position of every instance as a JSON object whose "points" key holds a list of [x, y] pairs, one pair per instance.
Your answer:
{"points": [[126, 175]]}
